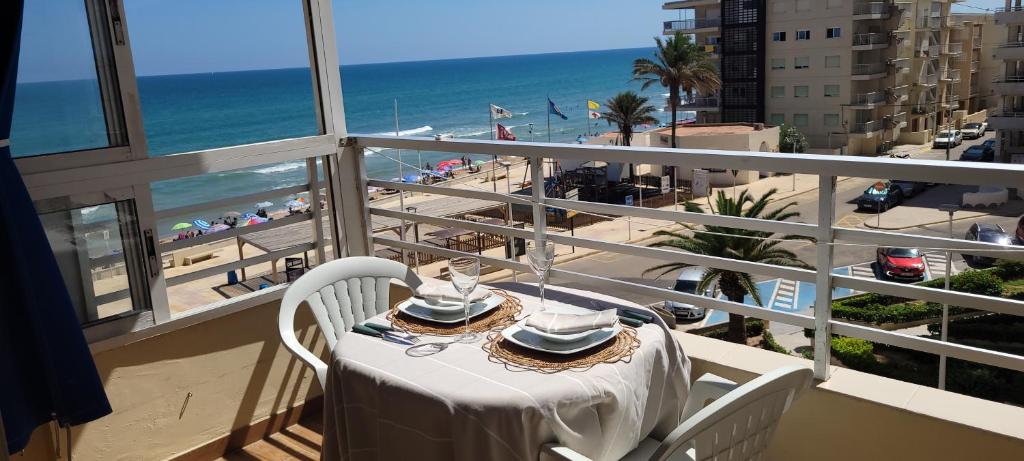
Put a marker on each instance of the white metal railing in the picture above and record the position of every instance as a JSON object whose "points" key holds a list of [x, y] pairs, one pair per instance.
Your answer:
{"points": [[874, 38], [871, 8], [691, 24], [866, 127], [865, 99], [868, 68], [953, 48], [1016, 44], [826, 234]]}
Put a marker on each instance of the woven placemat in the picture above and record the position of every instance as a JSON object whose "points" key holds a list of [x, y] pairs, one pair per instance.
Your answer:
{"points": [[501, 317], [515, 357]]}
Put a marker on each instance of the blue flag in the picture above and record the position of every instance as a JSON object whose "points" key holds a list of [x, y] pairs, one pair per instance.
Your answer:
{"points": [[554, 110]]}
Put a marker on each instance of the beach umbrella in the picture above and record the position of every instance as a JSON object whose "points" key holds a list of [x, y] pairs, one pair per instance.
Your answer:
{"points": [[301, 199], [411, 178], [264, 204], [479, 162], [232, 214], [256, 220], [181, 226], [294, 204], [202, 225], [219, 227]]}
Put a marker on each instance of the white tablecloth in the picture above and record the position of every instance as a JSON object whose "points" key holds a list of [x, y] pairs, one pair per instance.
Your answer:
{"points": [[381, 404]]}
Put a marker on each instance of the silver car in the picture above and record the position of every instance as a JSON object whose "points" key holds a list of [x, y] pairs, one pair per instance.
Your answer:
{"points": [[687, 282]]}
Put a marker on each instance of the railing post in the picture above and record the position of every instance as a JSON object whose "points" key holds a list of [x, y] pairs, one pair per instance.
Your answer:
{"points": [[354, 212], [539, 213], [823, 281]]}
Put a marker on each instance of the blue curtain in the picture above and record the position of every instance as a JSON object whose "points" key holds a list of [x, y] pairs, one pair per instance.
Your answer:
{"points": [[46, 370]]}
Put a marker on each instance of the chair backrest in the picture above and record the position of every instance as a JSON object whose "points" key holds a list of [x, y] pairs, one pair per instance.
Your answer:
{"points": [[341, 293], [739, 425]]}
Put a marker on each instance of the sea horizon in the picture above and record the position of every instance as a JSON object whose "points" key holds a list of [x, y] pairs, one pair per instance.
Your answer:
{"points": [[197, 111]]}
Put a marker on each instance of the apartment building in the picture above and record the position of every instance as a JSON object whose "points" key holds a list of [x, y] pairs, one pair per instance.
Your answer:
{"points": [[854, 77], [1008, 86]]}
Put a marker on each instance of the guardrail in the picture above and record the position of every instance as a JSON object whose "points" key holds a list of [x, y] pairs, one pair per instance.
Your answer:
{"points": [[872, 8], [825, 232], [874, 38], [868, 68], [700, 102], [691, 24], [863, 99]]}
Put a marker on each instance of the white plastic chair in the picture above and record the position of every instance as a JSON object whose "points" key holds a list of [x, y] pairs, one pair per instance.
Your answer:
{"points": [[737, 425], [341, 293]]}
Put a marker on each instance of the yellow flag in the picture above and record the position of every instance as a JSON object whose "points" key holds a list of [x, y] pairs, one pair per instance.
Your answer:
{"points": [[593, 105]]}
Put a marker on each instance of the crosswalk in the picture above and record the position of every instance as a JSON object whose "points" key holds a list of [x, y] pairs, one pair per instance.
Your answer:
{"points": [[935, 264], [785, 296], [863, 270]]}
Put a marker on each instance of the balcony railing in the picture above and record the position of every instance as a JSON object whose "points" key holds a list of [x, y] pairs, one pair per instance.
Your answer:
{"points": [[1010, 9], [699, 102], [974, 66], [871, 8], [692, 24], [1011, 78], [896, 120], [824, 230], [868, 69], [866, 127], [866, 99], [1017, 44], [874, 38], [953, 48]]}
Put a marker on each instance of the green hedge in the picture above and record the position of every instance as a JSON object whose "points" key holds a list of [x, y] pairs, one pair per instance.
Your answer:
{"points": [[855, 353], [1009, 270], [879, 309], [997, 328], [896, 313], [754, 328]]}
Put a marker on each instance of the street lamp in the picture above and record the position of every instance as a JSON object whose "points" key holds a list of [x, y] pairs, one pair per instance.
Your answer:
{"points": [[948, 208]]}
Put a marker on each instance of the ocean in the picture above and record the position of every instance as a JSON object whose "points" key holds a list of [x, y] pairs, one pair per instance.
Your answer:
{"points": [[183, 113]]}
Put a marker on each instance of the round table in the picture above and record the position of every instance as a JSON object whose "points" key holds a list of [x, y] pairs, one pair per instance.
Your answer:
{"points": [[382, 404]]}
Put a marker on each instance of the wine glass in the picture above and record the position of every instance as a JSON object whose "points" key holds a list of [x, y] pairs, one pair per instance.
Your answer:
{"points": [[541, 254], [465, 273]]}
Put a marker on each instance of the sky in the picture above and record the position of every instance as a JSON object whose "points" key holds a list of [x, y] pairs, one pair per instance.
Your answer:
{"points": [[170, 37]]}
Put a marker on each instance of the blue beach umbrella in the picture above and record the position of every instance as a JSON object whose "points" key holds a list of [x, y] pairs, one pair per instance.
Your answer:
{"points": [[411, 178], [201, 225], [294, 204]]}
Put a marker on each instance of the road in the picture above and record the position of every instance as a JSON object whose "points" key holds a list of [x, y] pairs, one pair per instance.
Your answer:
{"points": [[630, 268]]}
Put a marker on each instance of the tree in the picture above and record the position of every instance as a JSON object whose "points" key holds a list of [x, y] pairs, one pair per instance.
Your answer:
{"points": [[792, 140], [627, 110], [732, 243], [679, 65]]}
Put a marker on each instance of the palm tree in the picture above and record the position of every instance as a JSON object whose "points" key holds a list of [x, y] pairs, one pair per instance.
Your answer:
{"points": [[627, 110], [732, 243], [679, 65]]}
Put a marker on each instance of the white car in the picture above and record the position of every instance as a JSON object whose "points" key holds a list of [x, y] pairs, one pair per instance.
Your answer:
{"points": [[951, 138], [687, 282], [973, 130]]}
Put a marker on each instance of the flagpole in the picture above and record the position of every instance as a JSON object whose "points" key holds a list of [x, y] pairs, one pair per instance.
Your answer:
{"points": [[401, 178], [494, 157]]}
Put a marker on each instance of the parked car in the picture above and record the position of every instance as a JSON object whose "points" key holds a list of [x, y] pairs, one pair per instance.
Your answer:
{"points": [[989, 233], [990, 143], [687, 282], [905, 264], [978, 153], [1019, 232], [952, 138], [910, 188], [984, 128], [972, 131], [880, 197]]}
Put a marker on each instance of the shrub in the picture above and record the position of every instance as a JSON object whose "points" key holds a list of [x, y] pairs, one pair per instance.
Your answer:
{"points": [[768, 342], [754, 328], [1000, 328], [855, 353], [977, 282], [1009, 270]]}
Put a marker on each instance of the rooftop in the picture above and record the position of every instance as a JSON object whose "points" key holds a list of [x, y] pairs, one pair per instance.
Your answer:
{"points": [[710, 129]]}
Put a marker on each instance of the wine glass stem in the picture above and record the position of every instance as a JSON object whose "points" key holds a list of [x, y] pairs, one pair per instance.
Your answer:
{"points": [[540, 284], [465, 305]]}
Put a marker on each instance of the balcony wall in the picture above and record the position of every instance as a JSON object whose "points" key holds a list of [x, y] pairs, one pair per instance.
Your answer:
{"points": [[242, 384]]}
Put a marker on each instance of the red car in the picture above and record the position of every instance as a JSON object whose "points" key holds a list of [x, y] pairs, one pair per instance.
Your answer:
{"points": [[900, 263]]}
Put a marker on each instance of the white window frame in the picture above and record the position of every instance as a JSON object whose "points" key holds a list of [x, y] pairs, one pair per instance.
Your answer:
{"points": [[833, 32], [806, 33], [128, 171]]}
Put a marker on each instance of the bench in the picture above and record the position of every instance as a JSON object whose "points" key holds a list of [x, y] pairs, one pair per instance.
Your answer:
{"points": [[189, 256]]}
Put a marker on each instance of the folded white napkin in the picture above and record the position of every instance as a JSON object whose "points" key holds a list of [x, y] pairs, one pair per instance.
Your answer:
{"points": [[439, 292], [564, 324]]}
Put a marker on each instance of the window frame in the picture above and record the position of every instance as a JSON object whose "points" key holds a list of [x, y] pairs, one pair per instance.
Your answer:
{"points": [[825, 89], [782, 91], [806, 91], [773, 62], [127, 171], [833, 32], [806, 117], [796, 62], [825, 117], [839, 62], [806, 33], [779, 36]]}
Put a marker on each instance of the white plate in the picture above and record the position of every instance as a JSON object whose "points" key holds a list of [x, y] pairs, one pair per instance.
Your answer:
{"points": [[432, 315], [445, 307], [526, 338], [556, 337]]}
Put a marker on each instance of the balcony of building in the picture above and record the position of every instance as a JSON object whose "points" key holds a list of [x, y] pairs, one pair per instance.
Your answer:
{"points": [[1009, 15], [714, 50], [863, 11], [901, 65], [870, 100], [866, 129], [898, 120], [683, 4], [899, 94], [1012, 50], [870, 41], [868, 71], [950, 75], [1007, 118], [692, 26], [1009, 84], [952, 48], [705, 104]]}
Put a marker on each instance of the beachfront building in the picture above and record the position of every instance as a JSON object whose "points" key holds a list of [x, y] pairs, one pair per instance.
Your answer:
{"points": [[855, 76], [1008, 86]]}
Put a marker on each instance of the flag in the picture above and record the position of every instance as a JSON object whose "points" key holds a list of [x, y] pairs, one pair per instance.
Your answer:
{"points": [[504, 134], [500, 112], [554, 110], [594, 114], [593, 105]]}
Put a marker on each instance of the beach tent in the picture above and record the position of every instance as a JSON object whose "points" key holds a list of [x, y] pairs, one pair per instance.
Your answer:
{"points": [[47, 369], [479, 162], [255, 220], [413, 178], [295, 204], [181, 226]]}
